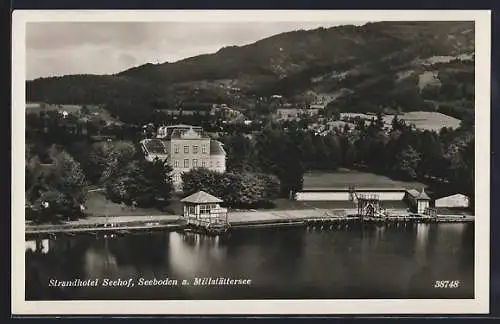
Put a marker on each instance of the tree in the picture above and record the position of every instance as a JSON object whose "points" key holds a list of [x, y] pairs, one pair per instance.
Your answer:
{"points": [[432, 153], [379, 122], [60, 206], [307, 150], [235, 189], [60, 185], [67, 175], [350, 157], [84, 111], [239, 153], [346, 129], [146, 184], [279, 154], [407, 162], [107, 158], [334, 152], [320, 158], [95, 160], [202, 179], [271, 185], [468, 158]]}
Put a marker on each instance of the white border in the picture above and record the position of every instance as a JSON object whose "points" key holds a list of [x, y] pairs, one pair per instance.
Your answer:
{"points": [[482, 176]]}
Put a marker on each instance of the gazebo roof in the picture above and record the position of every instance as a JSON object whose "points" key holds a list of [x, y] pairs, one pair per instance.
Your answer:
{"points": [[201, 197]]}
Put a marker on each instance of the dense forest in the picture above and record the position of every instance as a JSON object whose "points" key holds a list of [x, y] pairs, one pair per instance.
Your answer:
{"points": [[445, 158]]}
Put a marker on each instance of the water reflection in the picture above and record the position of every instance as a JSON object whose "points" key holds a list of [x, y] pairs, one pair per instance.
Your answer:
{"points": [[360, 262], [42, 246], [422, 238], [193, 254], [99, 263]]}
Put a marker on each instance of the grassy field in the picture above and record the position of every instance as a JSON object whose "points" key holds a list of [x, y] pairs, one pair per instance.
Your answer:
{"points": [[426, 120], [345, 178], [423, 120], [98, 206], [100, 112]]}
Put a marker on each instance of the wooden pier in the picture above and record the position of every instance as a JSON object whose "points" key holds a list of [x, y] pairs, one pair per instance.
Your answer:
{"points": [[99, 229], [246, 219], [207, 228], [335, 221]]}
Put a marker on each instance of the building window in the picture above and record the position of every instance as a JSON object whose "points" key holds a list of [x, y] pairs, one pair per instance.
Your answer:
{"points": [[218, 164], [176, 148], [195, 163], [195, 149], [176, 163], [204, 148], [205, 209], [186, 163], [186, 149], [204, 164]]}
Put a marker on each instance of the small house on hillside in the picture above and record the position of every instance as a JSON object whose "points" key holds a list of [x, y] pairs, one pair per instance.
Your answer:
{"points": [[203, 209], [419, 201]]}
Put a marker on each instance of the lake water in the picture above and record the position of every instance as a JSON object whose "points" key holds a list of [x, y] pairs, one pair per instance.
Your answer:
{"points": [[369, 261]]}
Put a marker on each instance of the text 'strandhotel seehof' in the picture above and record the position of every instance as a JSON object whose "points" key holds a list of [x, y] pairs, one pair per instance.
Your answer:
{"points": [[131, 282]]}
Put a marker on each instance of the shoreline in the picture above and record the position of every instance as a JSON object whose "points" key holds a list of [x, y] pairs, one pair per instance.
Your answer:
{"points": [[237, 220]]}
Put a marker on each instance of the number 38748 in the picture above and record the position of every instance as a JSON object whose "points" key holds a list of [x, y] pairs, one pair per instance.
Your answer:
{"points": [[447, 284]]}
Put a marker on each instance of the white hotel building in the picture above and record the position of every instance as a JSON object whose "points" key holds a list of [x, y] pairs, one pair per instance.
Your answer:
{"points": [[185, 147]]}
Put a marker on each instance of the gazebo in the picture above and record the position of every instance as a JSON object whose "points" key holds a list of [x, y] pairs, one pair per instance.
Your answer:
{"points": [[203, 209]]}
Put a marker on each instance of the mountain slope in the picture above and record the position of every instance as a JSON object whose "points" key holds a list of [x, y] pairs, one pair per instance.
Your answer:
{"points": [[372, 56]]}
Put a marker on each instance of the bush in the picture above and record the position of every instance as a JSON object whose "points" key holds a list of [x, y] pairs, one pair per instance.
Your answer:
{"points": [[238, 190]]}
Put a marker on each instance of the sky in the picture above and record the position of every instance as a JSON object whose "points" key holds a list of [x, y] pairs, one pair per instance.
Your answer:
{"points": [[61, 48]]}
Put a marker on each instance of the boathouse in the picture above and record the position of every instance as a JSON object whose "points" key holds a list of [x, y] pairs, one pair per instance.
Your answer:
{"points": [[203, 209], [419, 201], [454, 201]]}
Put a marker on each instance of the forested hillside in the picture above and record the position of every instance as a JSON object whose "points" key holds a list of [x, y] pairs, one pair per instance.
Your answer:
{"points": [[389, 65]]}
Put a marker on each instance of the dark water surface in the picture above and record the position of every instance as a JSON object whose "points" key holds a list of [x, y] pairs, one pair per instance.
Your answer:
{"points": [[360, 262]]}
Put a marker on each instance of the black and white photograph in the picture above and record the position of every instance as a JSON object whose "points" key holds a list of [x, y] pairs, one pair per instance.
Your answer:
{"points": [[225, 158]]}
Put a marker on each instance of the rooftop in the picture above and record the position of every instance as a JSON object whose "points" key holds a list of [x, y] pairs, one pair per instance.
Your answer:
{"points": [[187, 133], [418, 195], [457, 194], [216, 148], [357, 189], [201, 197], [184, 126], [155, 146]]}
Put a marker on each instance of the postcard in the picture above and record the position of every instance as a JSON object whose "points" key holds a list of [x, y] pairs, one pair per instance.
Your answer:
{"points": [[250, 162]]}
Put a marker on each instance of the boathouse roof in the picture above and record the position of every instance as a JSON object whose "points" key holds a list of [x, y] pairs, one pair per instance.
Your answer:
{"points": [[422, 195], [201, 197], [357, 189]]}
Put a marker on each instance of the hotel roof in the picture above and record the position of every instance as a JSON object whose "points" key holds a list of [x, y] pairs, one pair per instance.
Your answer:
{"points": [[201, 197], [216, 148], [182, 126]]}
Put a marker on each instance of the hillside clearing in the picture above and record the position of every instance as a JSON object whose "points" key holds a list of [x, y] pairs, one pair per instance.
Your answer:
{"points": [[423, 120]]}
